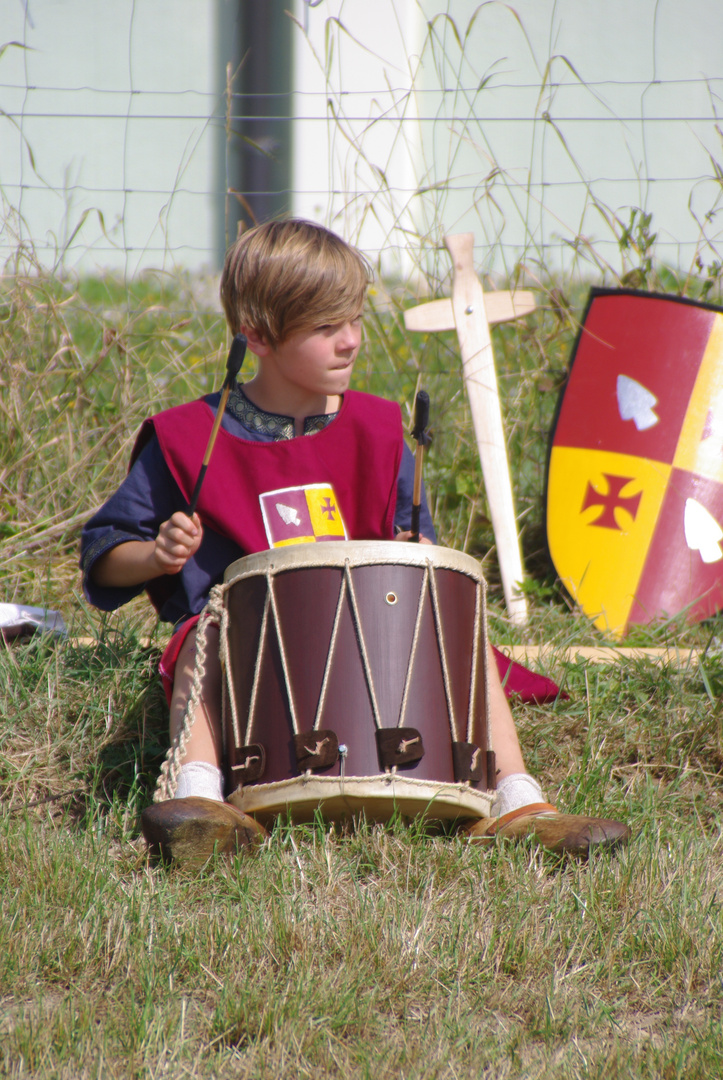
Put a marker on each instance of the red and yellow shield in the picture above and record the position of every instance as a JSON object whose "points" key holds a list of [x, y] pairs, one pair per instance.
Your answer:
{"points": [[635, 481]]}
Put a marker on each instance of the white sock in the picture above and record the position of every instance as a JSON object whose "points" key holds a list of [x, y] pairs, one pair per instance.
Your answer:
{"points": [[201, 779], [515, 790]]}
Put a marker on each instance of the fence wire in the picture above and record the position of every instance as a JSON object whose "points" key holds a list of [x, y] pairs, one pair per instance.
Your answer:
{"points": [[601, 174]]}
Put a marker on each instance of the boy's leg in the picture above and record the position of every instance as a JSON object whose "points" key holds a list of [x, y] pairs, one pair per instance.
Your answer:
{"points": [[197, 822], [520, 807], [515, 786], [201, 772], [503, 733]]}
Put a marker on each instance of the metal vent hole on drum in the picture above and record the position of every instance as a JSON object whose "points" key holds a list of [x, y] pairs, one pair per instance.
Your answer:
{"points": [[391, 598]]}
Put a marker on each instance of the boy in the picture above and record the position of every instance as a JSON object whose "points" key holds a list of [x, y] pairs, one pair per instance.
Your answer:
{"points": [[297, 292]]}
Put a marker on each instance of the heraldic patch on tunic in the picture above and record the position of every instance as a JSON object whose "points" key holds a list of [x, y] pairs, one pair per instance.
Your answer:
{"points": [[302, 515]]}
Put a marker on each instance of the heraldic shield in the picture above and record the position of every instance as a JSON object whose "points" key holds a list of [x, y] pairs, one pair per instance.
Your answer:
{"points": [[635, 479]]}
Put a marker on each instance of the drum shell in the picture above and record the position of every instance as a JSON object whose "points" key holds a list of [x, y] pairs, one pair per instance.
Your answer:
{"points": [[386, 582]]}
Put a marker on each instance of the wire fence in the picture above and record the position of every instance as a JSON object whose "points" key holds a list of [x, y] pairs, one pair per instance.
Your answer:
{"points": [[132, 169]]}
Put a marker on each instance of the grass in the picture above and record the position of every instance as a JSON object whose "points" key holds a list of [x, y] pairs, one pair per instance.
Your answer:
{"points": [[385, 952]]}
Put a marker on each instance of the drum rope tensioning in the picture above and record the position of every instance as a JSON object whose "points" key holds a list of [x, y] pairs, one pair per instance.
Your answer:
{"points": [[213, 614]]}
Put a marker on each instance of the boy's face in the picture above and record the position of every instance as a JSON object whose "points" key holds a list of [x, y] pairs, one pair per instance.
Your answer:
{"points": [[316, 362]]}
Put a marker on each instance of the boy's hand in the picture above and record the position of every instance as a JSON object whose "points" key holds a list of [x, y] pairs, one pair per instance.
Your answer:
{"points": [[406, 535], [178, 539]]}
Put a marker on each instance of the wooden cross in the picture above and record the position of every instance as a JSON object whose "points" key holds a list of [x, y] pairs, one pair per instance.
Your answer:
{"points": [[471, 312]]}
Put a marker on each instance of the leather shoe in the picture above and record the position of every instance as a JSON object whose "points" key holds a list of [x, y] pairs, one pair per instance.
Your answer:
{"points": [[190, 830], [573, 834]]}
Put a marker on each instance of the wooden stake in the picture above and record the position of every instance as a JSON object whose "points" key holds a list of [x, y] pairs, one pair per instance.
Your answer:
{"points": [[527, 654], [468, 313]]}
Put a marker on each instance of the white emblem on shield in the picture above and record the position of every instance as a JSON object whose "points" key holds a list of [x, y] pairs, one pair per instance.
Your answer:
{"points": [[635, 402], [702, 531]]}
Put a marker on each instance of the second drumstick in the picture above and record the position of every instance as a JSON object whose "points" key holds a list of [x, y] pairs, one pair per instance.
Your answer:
{"points": [[420, 433]]}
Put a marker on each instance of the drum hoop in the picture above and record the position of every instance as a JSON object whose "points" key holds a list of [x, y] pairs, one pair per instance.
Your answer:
{"points": [[354, 553]]}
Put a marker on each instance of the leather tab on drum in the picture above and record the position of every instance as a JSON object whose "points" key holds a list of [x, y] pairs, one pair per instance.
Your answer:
{"points": [[316, 749], [399, 746], [250, 763], [468, 761], [491, 771]]}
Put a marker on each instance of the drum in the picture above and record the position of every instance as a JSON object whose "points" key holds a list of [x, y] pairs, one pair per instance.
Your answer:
{"points": [[355, 680]]}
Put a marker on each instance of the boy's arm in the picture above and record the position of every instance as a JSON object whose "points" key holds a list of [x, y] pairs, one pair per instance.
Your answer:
{"points": [[136, 561]]}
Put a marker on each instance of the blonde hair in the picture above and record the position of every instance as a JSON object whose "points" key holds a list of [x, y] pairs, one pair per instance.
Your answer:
{"points": [[288, 276]]}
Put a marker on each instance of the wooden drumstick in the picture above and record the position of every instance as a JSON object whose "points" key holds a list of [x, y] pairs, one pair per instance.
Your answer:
{"points": [[233, 365], [420, 433]]}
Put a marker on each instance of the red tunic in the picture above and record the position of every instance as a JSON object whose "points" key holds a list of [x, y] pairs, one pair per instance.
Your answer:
{"points": [[358, 454]]}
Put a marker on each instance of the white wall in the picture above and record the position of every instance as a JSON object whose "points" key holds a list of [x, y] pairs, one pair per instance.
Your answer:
{"points": [[634, 123], [355, 175], [114, 99]]}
